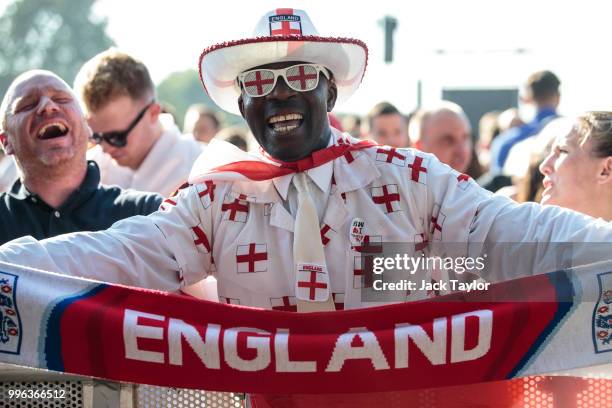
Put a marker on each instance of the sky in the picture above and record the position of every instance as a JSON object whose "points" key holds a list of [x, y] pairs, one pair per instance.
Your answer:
{"points": [[443, 44]]}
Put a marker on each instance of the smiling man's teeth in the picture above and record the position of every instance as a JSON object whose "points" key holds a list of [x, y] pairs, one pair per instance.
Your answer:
{"points": [[61, 127], [283, 118], [285, 128]]}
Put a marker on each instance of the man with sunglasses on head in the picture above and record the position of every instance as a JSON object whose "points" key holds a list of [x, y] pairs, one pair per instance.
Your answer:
{"points": [[138, 146], [43, 128], [285, 228]]}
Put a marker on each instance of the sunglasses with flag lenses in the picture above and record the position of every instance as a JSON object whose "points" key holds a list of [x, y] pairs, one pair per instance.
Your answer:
{"points": [[119, 138], [301, 78]]}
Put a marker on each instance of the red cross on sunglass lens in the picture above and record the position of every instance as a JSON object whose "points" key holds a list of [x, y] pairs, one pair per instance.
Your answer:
{"points": [[304, 79], [259, 79]]}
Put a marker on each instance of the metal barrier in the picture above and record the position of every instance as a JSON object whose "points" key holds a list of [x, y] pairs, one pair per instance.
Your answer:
{"points": [[154, 397], [591, 389], [33, 388]]}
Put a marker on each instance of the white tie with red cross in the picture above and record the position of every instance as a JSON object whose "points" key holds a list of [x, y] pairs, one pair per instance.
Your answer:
{"points": [[312, 286]]}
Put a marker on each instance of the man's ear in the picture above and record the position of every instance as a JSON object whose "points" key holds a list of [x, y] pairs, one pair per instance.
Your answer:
{"points": [[6, 144], [332, 94], [241, 106], [605, 171], [155, 111]]}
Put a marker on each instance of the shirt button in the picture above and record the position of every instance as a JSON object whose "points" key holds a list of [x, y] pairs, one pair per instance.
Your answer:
{"points": [[57, 214], [34, 199]]}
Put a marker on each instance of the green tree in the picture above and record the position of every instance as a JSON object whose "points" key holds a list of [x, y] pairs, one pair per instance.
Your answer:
{"points": [[58, 35], [182, 89]]}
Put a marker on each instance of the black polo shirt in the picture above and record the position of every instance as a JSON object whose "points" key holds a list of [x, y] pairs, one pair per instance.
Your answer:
{"points": [[91, 207]]}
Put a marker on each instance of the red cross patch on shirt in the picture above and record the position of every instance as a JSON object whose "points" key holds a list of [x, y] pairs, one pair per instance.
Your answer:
{"points": [[437, 221], [349, 156], [312, 282], [200, 240], [252, 258], [390, 155], [418, 172], [387, 196], [235, 209], [370, 244], [362, 271], [325, 231], [206, 192], [463, 181], [167, 203], [172, 198]]}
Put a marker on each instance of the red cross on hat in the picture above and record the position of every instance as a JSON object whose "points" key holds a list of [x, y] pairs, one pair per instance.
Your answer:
{"points": [[287, 27]]}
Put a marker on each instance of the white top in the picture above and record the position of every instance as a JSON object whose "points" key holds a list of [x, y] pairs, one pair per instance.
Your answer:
{"points": [[241, 232], [8, 172], [164, 169]]}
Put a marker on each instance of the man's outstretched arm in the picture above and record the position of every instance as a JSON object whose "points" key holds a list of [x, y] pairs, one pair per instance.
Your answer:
{"points": [[519, 239], [155, 252]]}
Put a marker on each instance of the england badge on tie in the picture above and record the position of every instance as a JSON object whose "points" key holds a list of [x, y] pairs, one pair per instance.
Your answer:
{"points": [[312, 282]]}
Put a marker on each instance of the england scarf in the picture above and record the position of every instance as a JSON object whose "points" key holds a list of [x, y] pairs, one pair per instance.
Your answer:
{"points": [[533, 325]]}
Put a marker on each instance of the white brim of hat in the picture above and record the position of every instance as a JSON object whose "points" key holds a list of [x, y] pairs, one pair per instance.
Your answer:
{"points": [[220, 64]]}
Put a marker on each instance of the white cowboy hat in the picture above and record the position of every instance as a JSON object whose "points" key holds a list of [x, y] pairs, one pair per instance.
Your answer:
{"points": [[281, 35]]}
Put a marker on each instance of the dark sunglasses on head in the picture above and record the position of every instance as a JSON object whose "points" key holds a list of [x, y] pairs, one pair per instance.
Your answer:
{"points": [[119, 138]]}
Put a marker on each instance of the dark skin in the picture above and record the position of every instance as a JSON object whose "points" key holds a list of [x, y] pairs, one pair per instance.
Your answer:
{"points": [[313, 130]]}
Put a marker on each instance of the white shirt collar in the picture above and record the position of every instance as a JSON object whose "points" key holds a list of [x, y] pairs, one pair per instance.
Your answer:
{"points": [[320, 175]]}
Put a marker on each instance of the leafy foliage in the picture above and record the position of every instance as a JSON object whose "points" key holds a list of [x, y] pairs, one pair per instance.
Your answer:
{"points": [[58, 35]]}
